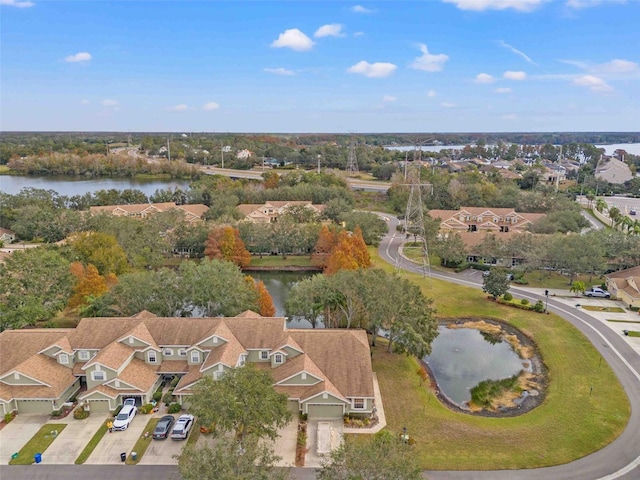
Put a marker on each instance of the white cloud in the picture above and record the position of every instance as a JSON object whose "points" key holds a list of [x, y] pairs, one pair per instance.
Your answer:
{"points": [[110, 103], [293, 39], [178, 108], [209, 106], [511, 75], [484, 78], [503, 90], [373, 70], [389, 98], [329, 30], [360, 9], [617, 66], [448, 105], [520, 53], [78, 57], [84, 101], [431, 93], [16, 3], [429, 62], [595, 84], [481, 5], [280, 71]]}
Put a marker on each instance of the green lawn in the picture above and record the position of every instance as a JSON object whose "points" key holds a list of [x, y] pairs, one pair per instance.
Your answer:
{"points": [[38, 443], [4, 169], [93, 443], [633, 333], [621, 321], [593, 308], [571, 423], [280, 261], [143, 442]]}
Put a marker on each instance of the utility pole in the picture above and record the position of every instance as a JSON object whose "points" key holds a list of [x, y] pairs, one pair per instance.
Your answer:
{"points": [[169, 149], [319, 157], [222, 153]]}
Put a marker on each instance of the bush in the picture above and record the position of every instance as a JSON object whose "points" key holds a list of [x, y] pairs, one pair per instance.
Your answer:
{"points": [[174, 408], [524, 301], [8, 417], [174, 381], [80, 413], [56, 413], [157, 396], [146, 408], [539, 306], [168, 398], [462, 267], [508, 297]]}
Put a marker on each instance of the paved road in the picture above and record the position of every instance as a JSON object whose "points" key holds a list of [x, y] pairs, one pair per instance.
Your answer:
{"points": [[620, 459], [354, 183]]}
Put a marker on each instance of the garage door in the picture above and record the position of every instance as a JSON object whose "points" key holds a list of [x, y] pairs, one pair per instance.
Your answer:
{"points": [[325, 411], [99, 406], [34, 406]]}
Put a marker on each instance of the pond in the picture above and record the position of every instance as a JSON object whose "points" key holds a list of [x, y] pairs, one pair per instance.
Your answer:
{"points": [[463, 357], [278, 284]]}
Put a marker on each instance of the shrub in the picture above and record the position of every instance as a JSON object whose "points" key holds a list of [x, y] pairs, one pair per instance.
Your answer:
{"points": [[174, 381], [56, 413], [168, 398], [146, 408], [80, 414], [524, 301], [460, 268], [508, 297], [174, 408], [539, 306], [157, 396], [8, 417]]}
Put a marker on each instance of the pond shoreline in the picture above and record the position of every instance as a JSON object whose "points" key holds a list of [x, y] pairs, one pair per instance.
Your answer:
{"points": [[283, 268], [527, 403]]}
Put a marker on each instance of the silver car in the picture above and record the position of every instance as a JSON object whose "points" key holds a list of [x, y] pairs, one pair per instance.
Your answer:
{"points": [[597, 292], [183, 427]]}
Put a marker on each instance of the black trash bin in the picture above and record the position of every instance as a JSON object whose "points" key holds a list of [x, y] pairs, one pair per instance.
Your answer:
{"points": [[123, 456]]}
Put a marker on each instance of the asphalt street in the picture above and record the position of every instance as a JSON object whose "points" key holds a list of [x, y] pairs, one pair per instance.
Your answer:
{"points": [[619, 460]]}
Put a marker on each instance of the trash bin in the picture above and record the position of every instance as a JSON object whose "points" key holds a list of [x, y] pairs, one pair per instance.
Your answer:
{"points": [[123, 456], [37, 457], [134, 456], [14, 456]]}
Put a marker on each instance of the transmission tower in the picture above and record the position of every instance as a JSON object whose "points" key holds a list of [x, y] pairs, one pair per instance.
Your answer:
{"points": [[352, 161], [416, 247]]}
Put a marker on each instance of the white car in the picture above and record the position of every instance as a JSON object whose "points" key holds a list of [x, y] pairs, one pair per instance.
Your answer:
{"points": [[597, 292], [123, 420], [183, 427]]}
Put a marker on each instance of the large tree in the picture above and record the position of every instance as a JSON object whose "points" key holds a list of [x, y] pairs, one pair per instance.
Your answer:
{"points": [[101, 250], [306, 300], [243, 402], [225, 244], [496, 283], [383, 457], [349, 253]]}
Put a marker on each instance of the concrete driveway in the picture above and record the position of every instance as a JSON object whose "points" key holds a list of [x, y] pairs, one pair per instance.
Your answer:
{"points": [[161, 452], [285, 445], [112, 444], [72, 440], [18, 432]]}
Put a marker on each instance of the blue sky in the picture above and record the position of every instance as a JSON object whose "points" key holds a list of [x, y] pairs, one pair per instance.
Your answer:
{"points": [[330, 66]]}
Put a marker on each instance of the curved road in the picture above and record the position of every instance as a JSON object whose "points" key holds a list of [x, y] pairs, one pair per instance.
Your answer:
{"points": [[620, 459]]}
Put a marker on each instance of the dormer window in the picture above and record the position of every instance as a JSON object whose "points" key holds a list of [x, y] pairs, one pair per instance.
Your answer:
{"points": [[151, 356], [63, 359], [278, 358], [84, 355], [264, 355], [98, 376], [167, 352], [195, 356], [182, 352]]}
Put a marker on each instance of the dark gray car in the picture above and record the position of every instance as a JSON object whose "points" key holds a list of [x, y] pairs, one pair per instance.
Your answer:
{"points": [[163, 427]]}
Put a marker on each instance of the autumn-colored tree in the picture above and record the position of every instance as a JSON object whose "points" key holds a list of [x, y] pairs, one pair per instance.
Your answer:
{"points": [[349, 253], [102, 250], [267, 309], [271, 179], [327, 240], [225, 244], [89, 283]]}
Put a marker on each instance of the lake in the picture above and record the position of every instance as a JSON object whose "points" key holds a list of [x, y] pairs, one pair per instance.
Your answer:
{"points": [[69, 186], [633, 148], [462, 357]]}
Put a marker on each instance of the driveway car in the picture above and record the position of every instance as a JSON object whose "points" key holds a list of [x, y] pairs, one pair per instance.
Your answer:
{"points": [[183, 427], [597, 292], [163, 427], [123, 420], [129, 401]]}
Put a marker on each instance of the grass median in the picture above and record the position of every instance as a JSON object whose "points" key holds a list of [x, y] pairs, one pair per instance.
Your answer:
{"points": [[573, 421], [143, 442], [38, 443]]}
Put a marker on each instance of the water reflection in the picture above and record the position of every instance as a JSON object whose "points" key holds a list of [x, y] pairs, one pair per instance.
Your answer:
{"points": [[463, 357]]}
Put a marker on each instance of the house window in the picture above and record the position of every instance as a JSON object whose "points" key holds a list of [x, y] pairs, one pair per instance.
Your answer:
{"points": [[264, 355], [98, 376], [131, 340], [195, 357], [242, 360], [16, 376], [84, 355], [303, 376], [151, 356], [182, 352], [358, 403], [167, 352], [64, 359], [278, 358], [218, 375]]}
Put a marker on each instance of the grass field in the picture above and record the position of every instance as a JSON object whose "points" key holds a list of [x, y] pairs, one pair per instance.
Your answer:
{"points": [[38, 443], [4, 169], [593, 308], [572, 422]]}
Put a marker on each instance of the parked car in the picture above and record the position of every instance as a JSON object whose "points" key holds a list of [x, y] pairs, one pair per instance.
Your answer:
{"points": [[129, 401], [123, 420], [183, 427], [632, 211], [510, 276], [163, 427], [597, 292]]}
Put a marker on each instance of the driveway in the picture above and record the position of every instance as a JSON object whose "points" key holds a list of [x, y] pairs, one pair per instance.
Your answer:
{"points": [[112, 444], [18, 432], [161, 452], [72, 440], [285, 444]]}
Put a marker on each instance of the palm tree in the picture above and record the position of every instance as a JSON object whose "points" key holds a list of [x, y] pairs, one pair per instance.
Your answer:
{"points": [[601, 205]]}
